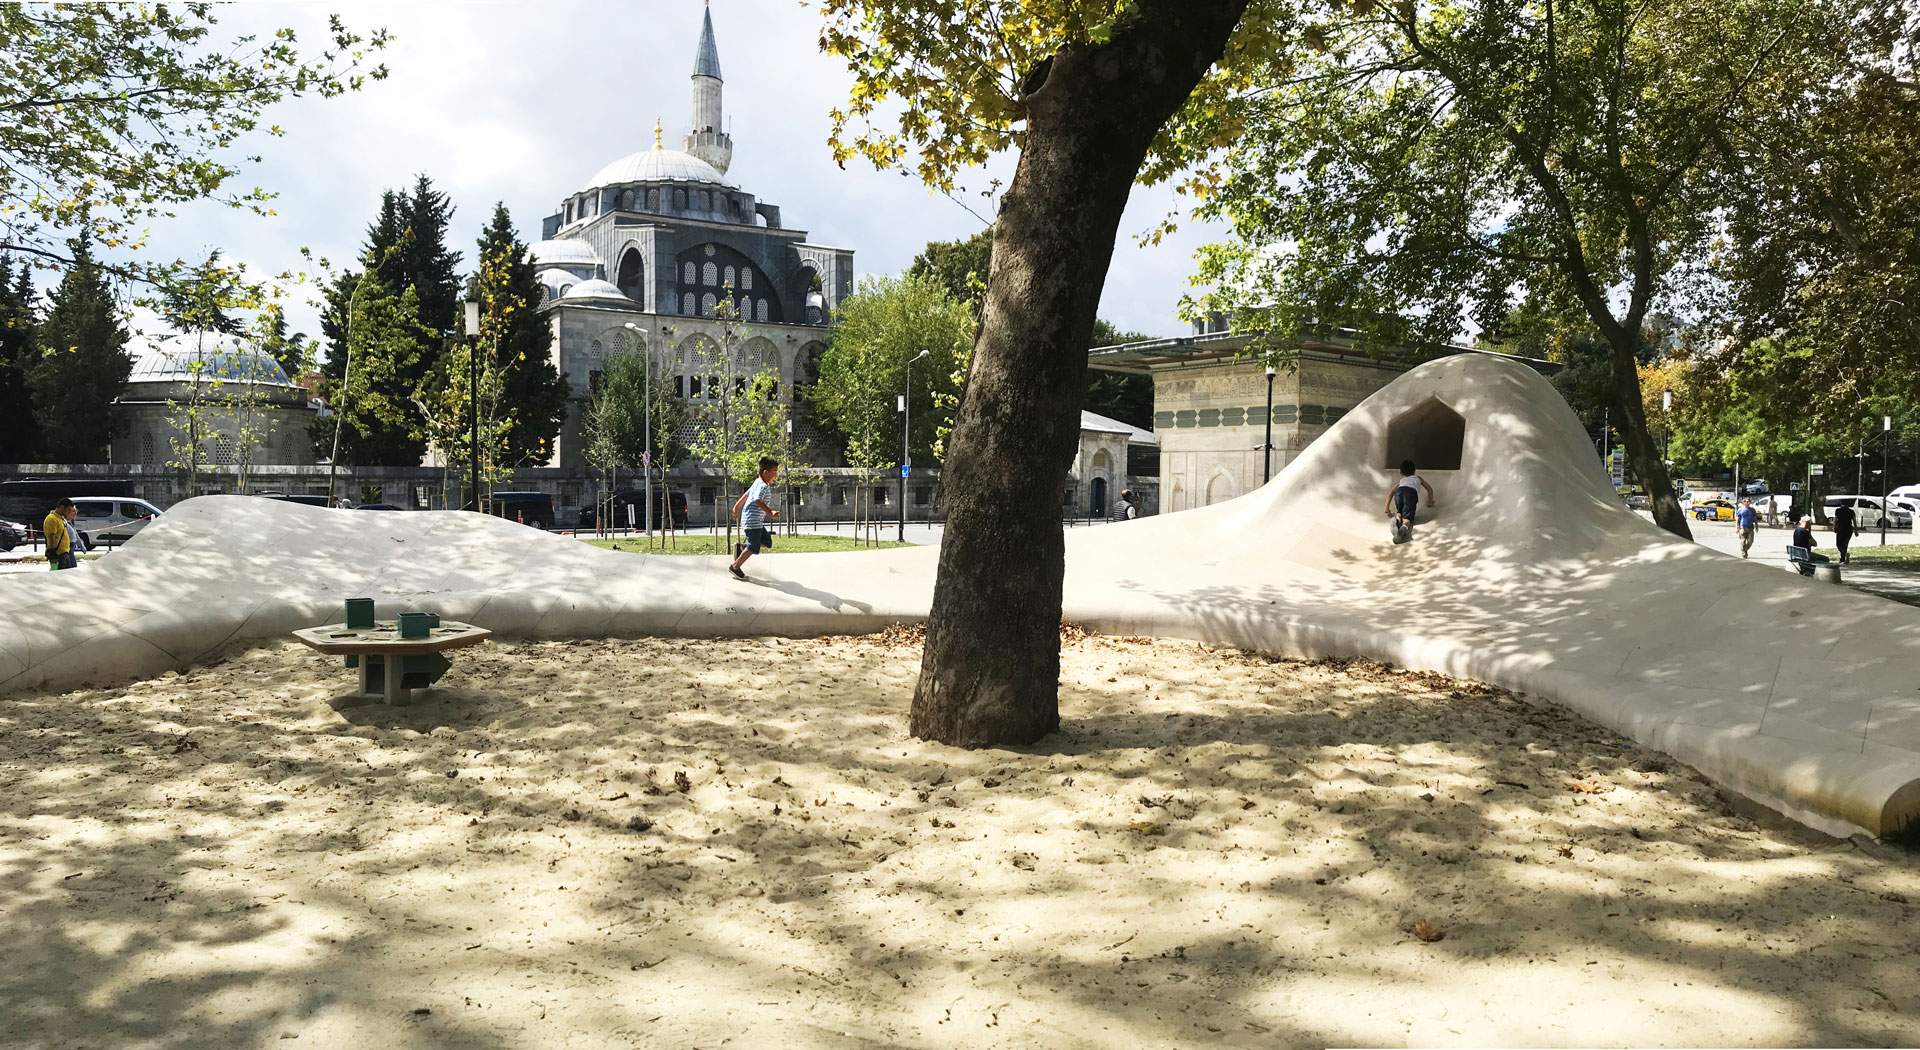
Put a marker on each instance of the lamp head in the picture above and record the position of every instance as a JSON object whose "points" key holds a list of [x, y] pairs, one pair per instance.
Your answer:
{"points": [[473, 317]]}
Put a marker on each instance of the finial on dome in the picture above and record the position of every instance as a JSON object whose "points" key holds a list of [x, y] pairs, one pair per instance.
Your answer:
{"points": [[657, 132]]}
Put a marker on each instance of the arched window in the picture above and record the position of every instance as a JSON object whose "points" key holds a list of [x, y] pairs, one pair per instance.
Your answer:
{"points": [[706, 200], [727, 277], [146, 449], [710, 274], [568, 216], [706, 305], [760, 310], [686, 304], [746, 278], [680, 199], [631, 274], [687, 274]]}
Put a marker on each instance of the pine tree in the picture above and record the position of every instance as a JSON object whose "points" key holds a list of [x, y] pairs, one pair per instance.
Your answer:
{"points": [[535, 394], [83, 365], [424, 262], [19, 436]]}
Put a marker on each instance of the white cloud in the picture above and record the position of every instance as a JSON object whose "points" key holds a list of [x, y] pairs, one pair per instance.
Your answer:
{"points": [[520, 102]]}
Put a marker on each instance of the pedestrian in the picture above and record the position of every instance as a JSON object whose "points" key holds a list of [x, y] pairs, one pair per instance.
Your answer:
{"points": [[1843, 523], [1747, 521], [1128, 509], [60, 534], [754, 508]]}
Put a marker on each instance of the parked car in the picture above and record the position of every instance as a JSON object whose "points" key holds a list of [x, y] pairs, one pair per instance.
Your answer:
{"points": [[1712, 510], [378, 506], [528, 508], [1866, 511], [1907, 492], [13, 534], [108, 521]]}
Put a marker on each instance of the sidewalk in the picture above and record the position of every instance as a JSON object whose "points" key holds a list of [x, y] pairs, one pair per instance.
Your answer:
{"points": [[1770, 545]]}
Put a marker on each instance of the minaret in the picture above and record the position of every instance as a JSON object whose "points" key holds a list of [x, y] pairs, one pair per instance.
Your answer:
{"points": [[708, 140]]}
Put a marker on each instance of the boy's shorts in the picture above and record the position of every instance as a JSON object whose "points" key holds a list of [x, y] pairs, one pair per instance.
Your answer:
{"points": [[1405, 502], [758, 539]]}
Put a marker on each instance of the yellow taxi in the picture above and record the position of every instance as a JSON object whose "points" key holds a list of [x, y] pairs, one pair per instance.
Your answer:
{"points": [[1712, 510]]}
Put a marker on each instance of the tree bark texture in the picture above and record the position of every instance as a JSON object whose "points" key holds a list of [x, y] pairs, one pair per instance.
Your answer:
{"points": [[1648, 464], [990, 671]]}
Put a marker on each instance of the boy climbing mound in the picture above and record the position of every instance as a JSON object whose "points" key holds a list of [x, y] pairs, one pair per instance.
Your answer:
{"points": [[1404, 498], [754, 511]]}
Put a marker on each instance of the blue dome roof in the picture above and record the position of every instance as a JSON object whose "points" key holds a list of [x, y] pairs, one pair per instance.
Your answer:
{"points": [[205, 357]]}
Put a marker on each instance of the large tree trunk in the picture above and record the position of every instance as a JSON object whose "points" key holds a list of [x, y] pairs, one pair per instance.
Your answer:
{"points": [[991, 669], [1648, 464]]}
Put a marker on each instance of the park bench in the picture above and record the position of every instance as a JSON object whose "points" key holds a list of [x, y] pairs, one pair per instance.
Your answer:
{"points": [[394, 657], [1802, 559]]}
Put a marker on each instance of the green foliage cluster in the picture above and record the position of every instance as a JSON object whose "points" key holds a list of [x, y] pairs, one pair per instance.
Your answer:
{"points": [[114, 115], [83, 363], [19, 352], [886, 324]]}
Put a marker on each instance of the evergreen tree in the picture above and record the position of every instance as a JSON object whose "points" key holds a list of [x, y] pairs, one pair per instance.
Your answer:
{"points": [[535, 394], [19, 436], [83, 365], [333, 323], [423, 260], [292, 351]]}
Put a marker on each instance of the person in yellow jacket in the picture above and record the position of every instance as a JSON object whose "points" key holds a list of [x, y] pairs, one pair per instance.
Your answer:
{"points": [[59, 539]]}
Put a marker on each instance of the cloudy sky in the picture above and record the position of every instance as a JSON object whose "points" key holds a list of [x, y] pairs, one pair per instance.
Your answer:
{"points": [[522, 100]]}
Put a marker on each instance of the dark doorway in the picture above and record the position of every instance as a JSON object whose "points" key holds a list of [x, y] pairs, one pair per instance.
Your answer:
{"points": [[1098, 509], [1430, 434]]}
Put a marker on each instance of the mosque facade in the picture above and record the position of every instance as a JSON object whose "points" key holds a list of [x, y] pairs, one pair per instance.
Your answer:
{"points": [[660, 252]]}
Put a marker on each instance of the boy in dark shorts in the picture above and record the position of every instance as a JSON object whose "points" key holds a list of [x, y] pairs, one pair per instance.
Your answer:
{"points": [[754, 511], [1404, 498]]}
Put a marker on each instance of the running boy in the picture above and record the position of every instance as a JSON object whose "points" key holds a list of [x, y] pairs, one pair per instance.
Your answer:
{"points": [[1404, 497], [753, 511]]}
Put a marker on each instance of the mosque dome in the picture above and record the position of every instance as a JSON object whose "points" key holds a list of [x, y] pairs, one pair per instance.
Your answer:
{"points": [[563, 252], [206, 357], [556, 282], [658, 164], [595, 289]]}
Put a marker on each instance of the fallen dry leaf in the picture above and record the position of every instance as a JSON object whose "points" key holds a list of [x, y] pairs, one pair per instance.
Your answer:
{"points": [[1427, 931]]}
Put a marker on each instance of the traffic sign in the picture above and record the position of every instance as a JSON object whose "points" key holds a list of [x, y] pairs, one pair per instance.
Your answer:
{"points": [[906, 471], [1796, 487], [1817, 470]]}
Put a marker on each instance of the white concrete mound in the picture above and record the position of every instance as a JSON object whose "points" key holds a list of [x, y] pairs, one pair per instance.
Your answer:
{"points": [[1527, 574]]}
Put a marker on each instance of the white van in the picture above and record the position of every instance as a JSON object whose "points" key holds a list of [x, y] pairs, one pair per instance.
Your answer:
{"points": [[112, 520], [1866, 511]]}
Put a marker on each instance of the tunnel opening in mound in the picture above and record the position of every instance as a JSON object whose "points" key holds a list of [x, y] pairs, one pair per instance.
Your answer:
{"points": [[1430, 433]]}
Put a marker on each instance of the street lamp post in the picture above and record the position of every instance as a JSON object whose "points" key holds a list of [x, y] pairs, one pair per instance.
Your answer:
{"points": [[646, 422], [473, 399], [1266, 447], [339, 411], [1886, 439], [906, 440]]}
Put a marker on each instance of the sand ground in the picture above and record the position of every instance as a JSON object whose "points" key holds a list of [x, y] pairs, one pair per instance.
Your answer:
{"points": [[734, 843]]}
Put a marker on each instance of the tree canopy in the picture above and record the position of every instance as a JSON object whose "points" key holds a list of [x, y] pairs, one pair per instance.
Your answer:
{"points": [[884, 325], [114, 115]]}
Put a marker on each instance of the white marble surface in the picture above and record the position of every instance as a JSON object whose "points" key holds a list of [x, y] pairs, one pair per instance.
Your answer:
{"points": [[1799, 694]]}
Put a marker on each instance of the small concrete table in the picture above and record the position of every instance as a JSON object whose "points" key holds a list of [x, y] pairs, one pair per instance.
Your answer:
{"points": [[392, 667]]}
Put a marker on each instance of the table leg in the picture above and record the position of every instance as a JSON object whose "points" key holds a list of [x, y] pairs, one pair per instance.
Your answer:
{"points": [[397, 695], [373, 671]]}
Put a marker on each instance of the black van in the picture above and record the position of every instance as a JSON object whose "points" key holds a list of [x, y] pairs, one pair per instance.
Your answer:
{"points": [[528, 508]]}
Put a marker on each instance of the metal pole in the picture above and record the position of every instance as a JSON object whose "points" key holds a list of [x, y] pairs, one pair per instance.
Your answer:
{"points": [[473, 398], [1886, 439], [906, 446], [1266, 447], [339, 412], [646, 414]]}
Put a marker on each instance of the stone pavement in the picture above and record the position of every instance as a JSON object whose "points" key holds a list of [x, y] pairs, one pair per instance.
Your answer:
{"points": [[1770, 547]]}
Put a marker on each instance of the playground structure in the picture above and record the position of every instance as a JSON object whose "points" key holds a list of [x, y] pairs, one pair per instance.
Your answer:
{"points": [[1531, 575]]}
